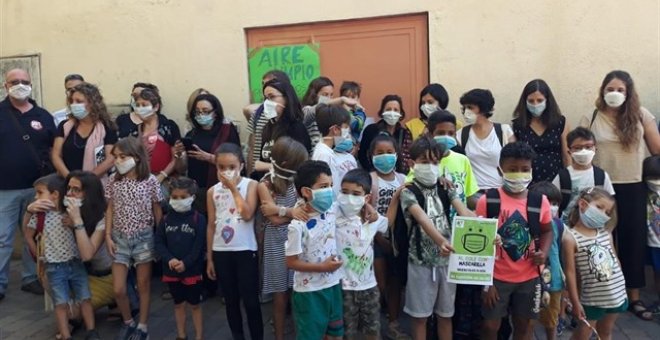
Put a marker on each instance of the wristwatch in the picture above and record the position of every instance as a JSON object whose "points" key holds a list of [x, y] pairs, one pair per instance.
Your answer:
{"points": [[282, 212], [79, 226]]}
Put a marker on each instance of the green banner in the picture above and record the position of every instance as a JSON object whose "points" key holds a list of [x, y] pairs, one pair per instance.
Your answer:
{"points": [[301, 62]]}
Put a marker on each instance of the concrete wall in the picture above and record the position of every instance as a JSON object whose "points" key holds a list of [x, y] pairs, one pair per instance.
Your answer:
{"points": [[184, 44]]}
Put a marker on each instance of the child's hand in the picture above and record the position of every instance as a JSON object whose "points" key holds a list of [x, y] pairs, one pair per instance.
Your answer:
{"points": [[299, 213], [331, 264], [180, 267], [269, 209], [498, 240], [539, 257], [179, 149], [110, 244], [578, 312], [172, 263], [369, 214], [210, 270], [490, 297], [40, 205], [227, 183], [350, 102], [446, 248]]}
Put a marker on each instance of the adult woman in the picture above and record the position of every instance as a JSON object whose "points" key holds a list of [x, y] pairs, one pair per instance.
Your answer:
{"points": [[210, 129], [128, 121], [538, 122], [282, 108], [391, 113], [482, 139], [433, 97], [85, 140], [190, 105], [624, 130]]}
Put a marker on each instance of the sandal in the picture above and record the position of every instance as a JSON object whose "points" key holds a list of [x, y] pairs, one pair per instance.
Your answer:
{"points": [[639, 309]]}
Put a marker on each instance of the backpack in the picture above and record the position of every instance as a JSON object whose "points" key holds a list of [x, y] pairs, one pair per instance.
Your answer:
{"points": [[465, 134], [401, 235], [40, 240], [534, 200], [566, 185]]}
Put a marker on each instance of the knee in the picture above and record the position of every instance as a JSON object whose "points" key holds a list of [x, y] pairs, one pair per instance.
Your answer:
{"points": [[119, 291], [180, 306], [490, 326], [195, 307]]}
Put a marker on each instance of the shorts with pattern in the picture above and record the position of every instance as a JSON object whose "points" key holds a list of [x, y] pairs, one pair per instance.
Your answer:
{"points": [[362, 312], [135, 249]]}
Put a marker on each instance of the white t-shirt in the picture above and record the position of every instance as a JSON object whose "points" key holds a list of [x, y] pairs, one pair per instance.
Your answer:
{"points": [[581, 179], [59, 242], [484, 155], [232, 233], [355, 245], [313, 242], [340, 163], [386, 191]]}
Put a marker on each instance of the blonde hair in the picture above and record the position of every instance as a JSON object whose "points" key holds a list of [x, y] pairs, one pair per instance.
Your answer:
{"points": [[287, 154], [193, 96], [588, 194]]}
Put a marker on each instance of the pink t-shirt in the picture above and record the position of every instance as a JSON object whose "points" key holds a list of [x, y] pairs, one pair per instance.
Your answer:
{"points": [[513, 260]]}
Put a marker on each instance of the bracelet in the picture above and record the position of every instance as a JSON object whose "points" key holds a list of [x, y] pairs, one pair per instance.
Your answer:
{"points": [[282, 212]]}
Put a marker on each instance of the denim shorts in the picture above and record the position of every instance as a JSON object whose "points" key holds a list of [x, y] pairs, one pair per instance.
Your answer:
{"points": [[134, 249], [67, 282]]}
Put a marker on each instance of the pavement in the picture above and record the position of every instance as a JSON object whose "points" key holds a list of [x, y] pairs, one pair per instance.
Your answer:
{"points": [[22, 317]]}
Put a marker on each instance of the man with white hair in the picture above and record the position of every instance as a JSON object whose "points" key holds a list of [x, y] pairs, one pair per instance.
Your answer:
{"points": [[26, 136]]}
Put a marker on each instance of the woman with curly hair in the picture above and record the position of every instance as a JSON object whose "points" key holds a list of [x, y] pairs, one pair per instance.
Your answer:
{"points": [[85, 140], [624, 130]]}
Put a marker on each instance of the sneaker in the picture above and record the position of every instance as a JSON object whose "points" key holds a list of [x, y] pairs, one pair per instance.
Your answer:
{"points": [[33, 287], [394, 332], [140, 335], [126, 331], [92, 335], [561, 326]]}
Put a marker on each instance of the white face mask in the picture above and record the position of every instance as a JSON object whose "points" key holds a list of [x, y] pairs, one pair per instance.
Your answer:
{"points": [[124, 167], [20, 91], [614, 99], [426, 174], [555, 210], [228, 174], [270, 107], [350, 205], [428, 109], [324, 99], [536, 110], [391, 117], [469, 116], [72, 201], [516, 182], [182, 205], [583, 157], [145, 111]]}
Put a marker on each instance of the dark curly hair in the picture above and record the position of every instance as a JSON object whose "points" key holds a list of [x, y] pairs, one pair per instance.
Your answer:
{"points": [[97, 109], [517, 150]]}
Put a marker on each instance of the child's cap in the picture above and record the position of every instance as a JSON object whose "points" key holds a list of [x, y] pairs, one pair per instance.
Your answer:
{"points": [[651, 167]]}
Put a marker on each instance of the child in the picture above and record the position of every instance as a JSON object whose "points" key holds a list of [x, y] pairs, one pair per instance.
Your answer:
{"points": [[352, 90], [231, 242], [652, 178], [582, 173], [65, 271], [180, 244], [425, 205], [591, 264], [134, 196], [277, 195], [523, 217], [336, 146], [355, 237], [385, 181], [311, 252], [550, 313]]}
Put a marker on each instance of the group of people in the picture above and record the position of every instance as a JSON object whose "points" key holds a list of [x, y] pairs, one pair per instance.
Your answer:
{"points": [[335, 218]]}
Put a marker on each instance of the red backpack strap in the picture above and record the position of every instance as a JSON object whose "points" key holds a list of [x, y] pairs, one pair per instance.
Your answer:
{"points": [[41, 220]]}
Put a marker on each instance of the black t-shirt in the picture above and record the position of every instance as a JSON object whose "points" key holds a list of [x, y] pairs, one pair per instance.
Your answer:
{"points": [[199, 170], [73, 149], [125, 125], [296, 130], [19, 167]]}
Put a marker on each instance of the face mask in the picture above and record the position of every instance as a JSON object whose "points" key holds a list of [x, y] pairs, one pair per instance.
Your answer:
{"points": [[555, 210], [516, 182], [536, 110], [470, 117], [145, 111], [276, 169], [228, 174], [269, 109], [384, 163], [125, 166], [391, 117], [583, 157], [654, 185], [428, 109], [593, 218], [204, 120], [20, 91], [78, 110], [324, 99], [427, 174], [72, 201], [350, 205], [614, 99], [448, 141], [182, 205], [344, 143], [322, 199]]}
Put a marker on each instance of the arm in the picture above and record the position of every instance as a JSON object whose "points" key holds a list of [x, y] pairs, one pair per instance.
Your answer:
{"points": [[565, 156], [249, 110], [472, 202], [269, 208], [651, 136], [195, 252], [427, 225], [160, 243], [87, 245], [210, 233], [327, 266], [569, 249], [29, 235], [107, 164], [56, 157], [169, 169], [392, 208], [461, 209], [158, 212], [249, 206]]}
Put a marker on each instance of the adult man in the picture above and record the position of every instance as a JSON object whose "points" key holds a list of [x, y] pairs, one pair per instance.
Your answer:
{"points": [[26, 136], [70, 82]]}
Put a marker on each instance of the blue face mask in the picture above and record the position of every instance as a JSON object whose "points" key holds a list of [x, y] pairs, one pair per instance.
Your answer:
{"points": [[448, 141], [343, 145], [384, 163], [322, 199], [204, 120], [593, 218]]}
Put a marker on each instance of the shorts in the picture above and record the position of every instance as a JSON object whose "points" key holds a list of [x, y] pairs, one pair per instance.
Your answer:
{"points": [[596, 313], [522, 299], [318, 313], [136, 249], [428, 292], [67, 282], [101, 289], [192, 294], [362, 312], [654, 258], [549, 315]]}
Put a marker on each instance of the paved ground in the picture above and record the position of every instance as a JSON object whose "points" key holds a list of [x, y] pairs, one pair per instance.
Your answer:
{"points": [[22, 317]]}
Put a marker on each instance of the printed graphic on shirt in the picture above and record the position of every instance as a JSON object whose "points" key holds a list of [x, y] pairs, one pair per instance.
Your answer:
{"points": [[384, 199], [601, 262], [654, 214], [225, 203], [458, 179], [515, 234]]}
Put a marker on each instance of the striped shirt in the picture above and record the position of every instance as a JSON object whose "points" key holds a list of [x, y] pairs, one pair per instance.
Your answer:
{"points": [[601, 280], [256, 129], [309, 119]]}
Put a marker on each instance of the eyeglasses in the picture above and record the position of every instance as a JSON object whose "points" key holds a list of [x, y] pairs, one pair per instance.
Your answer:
{"points": [[74, 190], [18, 81], [203, 112], [273, 96]]}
